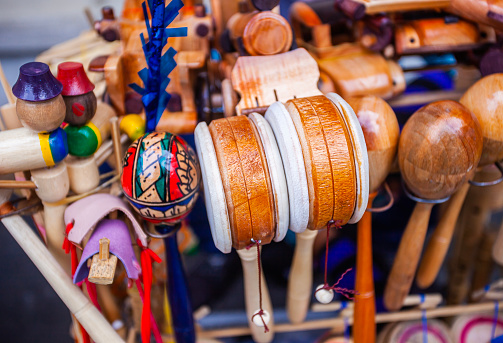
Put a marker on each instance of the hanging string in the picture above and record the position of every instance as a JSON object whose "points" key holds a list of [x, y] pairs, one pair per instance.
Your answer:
{"points": [[147, 258], [424, 322], [155, 328], [348, 293], [93, 295], [70, 247], [495, 319], [260, 313]]}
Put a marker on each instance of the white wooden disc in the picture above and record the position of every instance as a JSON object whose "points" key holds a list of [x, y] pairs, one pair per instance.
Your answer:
{"points": [[214, 196], [360, 153], [293, 163], [475, 328], [276, 173], [412, 332]]}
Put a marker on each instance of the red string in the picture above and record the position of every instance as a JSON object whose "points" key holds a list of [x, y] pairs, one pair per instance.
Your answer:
{"points": [[70, 247], [147, 257], [260, 313], [155, 328], [93, 295], [341, 290]]}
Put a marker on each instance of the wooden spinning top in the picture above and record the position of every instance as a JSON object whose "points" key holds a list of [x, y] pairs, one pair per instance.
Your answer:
{"points": [[485, 100], [77, 93], [160, 177], [440, 147], [40, 106]]}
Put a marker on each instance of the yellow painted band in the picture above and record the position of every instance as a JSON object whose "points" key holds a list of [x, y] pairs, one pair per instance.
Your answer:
{"points": [[96, 132], [46, 148]]}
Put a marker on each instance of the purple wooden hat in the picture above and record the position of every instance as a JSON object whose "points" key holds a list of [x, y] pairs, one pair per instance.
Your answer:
{"points": [[120, 245], [36, 83]]}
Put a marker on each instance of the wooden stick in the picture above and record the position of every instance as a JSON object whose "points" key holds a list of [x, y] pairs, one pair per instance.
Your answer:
{"points": [[6, 87], [300, 279], [338, 324], [85, 312], [437, 247], [17, 184], [116, 138]]}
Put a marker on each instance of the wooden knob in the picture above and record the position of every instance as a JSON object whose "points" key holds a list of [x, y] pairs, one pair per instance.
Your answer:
{"points": [[381, 131], [439, 149], [41, 116], [484, 100], [80, 108], [267, 33], [52, 183]]}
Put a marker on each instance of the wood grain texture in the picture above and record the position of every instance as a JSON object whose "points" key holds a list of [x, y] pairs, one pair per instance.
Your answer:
{"points": [[377, 6], [267, 33], [41, 116], [380, 128], [439, 149], [485, 100], [477, 11], [263, 80]]}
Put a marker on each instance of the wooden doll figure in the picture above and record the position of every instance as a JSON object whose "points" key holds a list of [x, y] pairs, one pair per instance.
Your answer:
{"points": [[40, 106], [77, 93]]}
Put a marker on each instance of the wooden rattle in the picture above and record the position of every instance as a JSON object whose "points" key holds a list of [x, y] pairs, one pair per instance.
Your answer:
{"points": [[381, 132], [39, 105], [484, 101], [318, 166], [246, 201], [160, 178], [439, 149]]}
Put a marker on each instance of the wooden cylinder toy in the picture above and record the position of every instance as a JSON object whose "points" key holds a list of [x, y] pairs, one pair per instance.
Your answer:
{"points": [[23, 149], [430, 171], [40, 105], [83, 173], [381, 132], [77, 93]]}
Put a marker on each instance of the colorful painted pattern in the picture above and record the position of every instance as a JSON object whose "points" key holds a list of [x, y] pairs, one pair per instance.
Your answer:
{"points": [[54, 146], [161, 177]]}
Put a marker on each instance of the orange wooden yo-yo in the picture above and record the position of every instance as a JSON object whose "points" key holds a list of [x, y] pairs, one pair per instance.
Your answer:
{"points": [[439, 149]]}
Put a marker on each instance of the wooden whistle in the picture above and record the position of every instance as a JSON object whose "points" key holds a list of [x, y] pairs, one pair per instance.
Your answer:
{"points": [[103, 265]]}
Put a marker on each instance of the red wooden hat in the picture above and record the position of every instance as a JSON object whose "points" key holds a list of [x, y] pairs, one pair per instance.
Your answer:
{"points": [[74, 79]]}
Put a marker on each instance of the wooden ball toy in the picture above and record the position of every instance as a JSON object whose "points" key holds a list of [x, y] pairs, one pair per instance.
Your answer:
{"points": [[83, 141], [23, 149], [485, 100], [160, 177], [439, 150], [324, 296], [133, 125], [40, 106], [77, 93], [260, 321]]}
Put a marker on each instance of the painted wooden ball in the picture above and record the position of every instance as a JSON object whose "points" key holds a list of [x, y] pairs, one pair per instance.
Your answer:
{"points": [[83, 141], [161, 177]]}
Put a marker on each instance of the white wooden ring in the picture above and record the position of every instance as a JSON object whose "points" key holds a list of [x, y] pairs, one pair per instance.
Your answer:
{"points": [[360, 155], [214, 196], [276, 173], [293, 163]]}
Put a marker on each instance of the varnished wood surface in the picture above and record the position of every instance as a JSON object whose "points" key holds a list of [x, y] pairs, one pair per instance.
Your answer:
{"points": [[41, 116], [439, 149], [328, 160], [377, 6], [381, 131], [485, 100], [245, 179], [477, 11], [267, 33], [263, 80]]}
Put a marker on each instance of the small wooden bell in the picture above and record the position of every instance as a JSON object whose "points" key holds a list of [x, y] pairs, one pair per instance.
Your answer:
{"points": [[103, 265]]}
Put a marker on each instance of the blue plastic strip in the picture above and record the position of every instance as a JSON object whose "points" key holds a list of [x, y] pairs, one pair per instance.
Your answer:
{"points": [[424, 321]]}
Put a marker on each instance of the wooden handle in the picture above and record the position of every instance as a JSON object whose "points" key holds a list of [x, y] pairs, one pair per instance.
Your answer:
{"points": [[440, 240], [250, 275], [88, 315], [300, 280], [407, 257], [364, 312]]}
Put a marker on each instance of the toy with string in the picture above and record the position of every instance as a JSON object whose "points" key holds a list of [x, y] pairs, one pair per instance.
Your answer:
{"points": [[247, 206], [381, 132], [439, 149], [327, 177]]}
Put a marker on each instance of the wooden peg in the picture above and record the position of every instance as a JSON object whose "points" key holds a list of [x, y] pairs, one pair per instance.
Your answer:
{"points": [[103, 265]]}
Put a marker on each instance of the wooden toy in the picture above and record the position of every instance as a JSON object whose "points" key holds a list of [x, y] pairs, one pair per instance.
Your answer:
{"points": [[83, 141], [77, 93], [435, 332], [40, 105], [24, 149], [381, 132], [424, 176], [8, 111], [133, 125], [247, 204], [476, 328]]}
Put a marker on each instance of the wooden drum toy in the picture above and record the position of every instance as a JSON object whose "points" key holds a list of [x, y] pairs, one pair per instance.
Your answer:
{"points": [[439, 149], [245, 195], [326, 166]]}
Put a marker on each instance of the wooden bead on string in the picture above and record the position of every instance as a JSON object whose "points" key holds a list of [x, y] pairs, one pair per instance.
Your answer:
{"points": [[77, 93], [40, 106], [324, 296], [163, 184], [23, 149]]}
